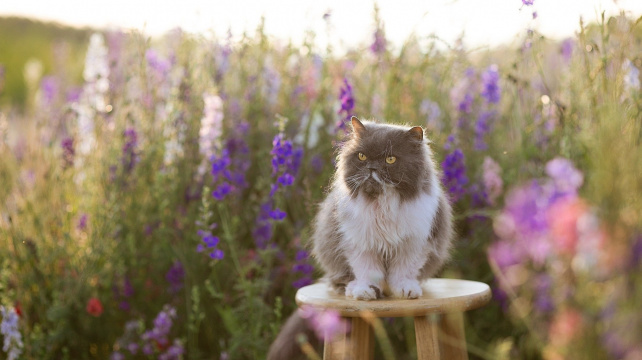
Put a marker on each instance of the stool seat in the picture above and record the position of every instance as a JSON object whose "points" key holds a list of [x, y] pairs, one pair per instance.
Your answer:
{"points": [[443, 336], [439, 296]]}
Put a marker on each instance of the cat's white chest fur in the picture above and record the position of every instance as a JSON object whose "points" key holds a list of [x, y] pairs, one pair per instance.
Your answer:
{"points": [[385, 224]]}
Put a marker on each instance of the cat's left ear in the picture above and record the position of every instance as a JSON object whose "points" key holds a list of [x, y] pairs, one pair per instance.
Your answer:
{"points": [[416, 133], [357, 127]]}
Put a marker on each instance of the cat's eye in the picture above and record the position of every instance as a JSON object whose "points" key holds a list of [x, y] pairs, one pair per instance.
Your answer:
{"points": [[362, 157], [391, 159]]}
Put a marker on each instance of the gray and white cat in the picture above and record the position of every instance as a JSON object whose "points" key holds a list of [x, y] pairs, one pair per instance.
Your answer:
{"points": [[386, 220], [385, 225]]}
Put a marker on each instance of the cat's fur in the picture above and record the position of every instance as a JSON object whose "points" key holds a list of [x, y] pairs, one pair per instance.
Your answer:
{"points": [[383, 228]]}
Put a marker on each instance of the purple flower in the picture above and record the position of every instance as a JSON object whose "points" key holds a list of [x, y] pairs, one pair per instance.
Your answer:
{"points": [[454, 177], [347, 104], [566, 48], [304, 268], [128, 289], [174, 352], [117, 356], [129, 156], [133, 348], [490, 85], [217, 254], [82, 222], [160, 332], [528, 2], [175, 276], [222, 190], [277, 214], [482, 127], [49, 85], [566, 177], [68, 151], [378, 47], [636, 252], [160, 66]]}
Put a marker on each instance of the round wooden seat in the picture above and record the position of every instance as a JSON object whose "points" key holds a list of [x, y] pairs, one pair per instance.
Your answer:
{"points": [[439, 296], [440, 334]]}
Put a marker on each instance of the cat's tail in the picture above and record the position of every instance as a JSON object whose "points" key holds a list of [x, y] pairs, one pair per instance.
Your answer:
{"points": [[286, 346]]}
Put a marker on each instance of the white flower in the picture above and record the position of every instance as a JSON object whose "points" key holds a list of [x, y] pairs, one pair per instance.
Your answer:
{"points": [[9, 329], [211, 127]]}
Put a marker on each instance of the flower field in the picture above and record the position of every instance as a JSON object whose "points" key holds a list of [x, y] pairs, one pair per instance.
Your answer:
{"points": [[160, 206]]}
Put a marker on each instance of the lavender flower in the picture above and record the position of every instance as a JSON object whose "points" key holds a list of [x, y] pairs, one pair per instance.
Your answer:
{"points": [[160, 66], [378, 47], [566, 48], [565, 176], [432, 112], [82, 222], [68, 151], [211, 242], [528, 2], [49, 87], [491, 91], [454, 177], [631, 76], [303, 267], [9, 329], [162, 326], [347, 105], [175, 276], [129, 156], [482, 128], [174, 352]]}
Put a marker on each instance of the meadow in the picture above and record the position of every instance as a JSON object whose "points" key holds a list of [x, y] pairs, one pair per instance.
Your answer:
{"points": [[160, 205]]}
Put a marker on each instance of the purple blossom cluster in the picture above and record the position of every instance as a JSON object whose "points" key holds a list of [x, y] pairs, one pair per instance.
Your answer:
{"points": [[175, 276], [211, 242], [68, 152], [346, 97], [378, 46], [154, 342], [158, 65], [229, 167], [454, 171], [286, 161], [123, 293], [129, 157], [541, 221], [303, 268]]}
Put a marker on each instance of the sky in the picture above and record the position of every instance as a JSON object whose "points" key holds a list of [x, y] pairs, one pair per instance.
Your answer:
{"points": [[351, 23]]}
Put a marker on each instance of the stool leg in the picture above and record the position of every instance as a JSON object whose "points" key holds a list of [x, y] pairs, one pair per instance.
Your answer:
{"points": [[426, 336], [362, 339], [452, 336], [337, 348]]}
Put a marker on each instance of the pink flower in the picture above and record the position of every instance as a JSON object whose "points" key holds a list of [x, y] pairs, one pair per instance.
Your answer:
{"points": [[325, 323], [492, 179], [563, 217]]}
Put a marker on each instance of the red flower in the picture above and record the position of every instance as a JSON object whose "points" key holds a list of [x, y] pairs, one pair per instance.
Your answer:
{"points": [[18, 308], [94, 307]]}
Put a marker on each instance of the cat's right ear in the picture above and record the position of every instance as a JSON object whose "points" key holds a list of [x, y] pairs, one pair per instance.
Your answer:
{"points": [[357, 127]]}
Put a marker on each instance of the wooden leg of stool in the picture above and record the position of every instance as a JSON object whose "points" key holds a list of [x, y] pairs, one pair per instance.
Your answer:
{"points": [[362, 340], [337, 348], [426, 333], [452, 336]]}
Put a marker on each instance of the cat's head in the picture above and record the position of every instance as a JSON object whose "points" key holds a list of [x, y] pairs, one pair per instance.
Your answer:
{"points": [[383, 157]]}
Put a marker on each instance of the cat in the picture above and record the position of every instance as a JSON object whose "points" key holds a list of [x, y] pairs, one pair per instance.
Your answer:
{"points": [[386, 223]]}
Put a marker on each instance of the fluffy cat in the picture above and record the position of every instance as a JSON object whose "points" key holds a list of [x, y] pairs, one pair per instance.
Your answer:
{"points": [[386, 220], [386, 223]]}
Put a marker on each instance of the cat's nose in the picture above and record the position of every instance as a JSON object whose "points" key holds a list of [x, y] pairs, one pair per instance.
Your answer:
{"points": [[372, 166]]}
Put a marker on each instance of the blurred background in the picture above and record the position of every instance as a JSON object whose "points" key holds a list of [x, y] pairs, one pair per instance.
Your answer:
{"points": [[160, 165]]}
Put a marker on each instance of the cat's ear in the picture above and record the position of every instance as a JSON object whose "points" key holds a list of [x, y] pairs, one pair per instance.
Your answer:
{"points": [[357, 127], [416, 133]]}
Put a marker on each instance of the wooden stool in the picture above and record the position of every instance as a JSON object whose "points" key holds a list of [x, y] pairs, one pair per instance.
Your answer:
{"points": [[444, 298]]}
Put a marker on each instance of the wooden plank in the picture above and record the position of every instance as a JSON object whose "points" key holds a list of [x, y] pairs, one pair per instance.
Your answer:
{"points": [[337, 348]]}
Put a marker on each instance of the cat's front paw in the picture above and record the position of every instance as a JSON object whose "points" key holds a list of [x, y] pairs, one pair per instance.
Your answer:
{"points": [[363, 290], [406, 289]]}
